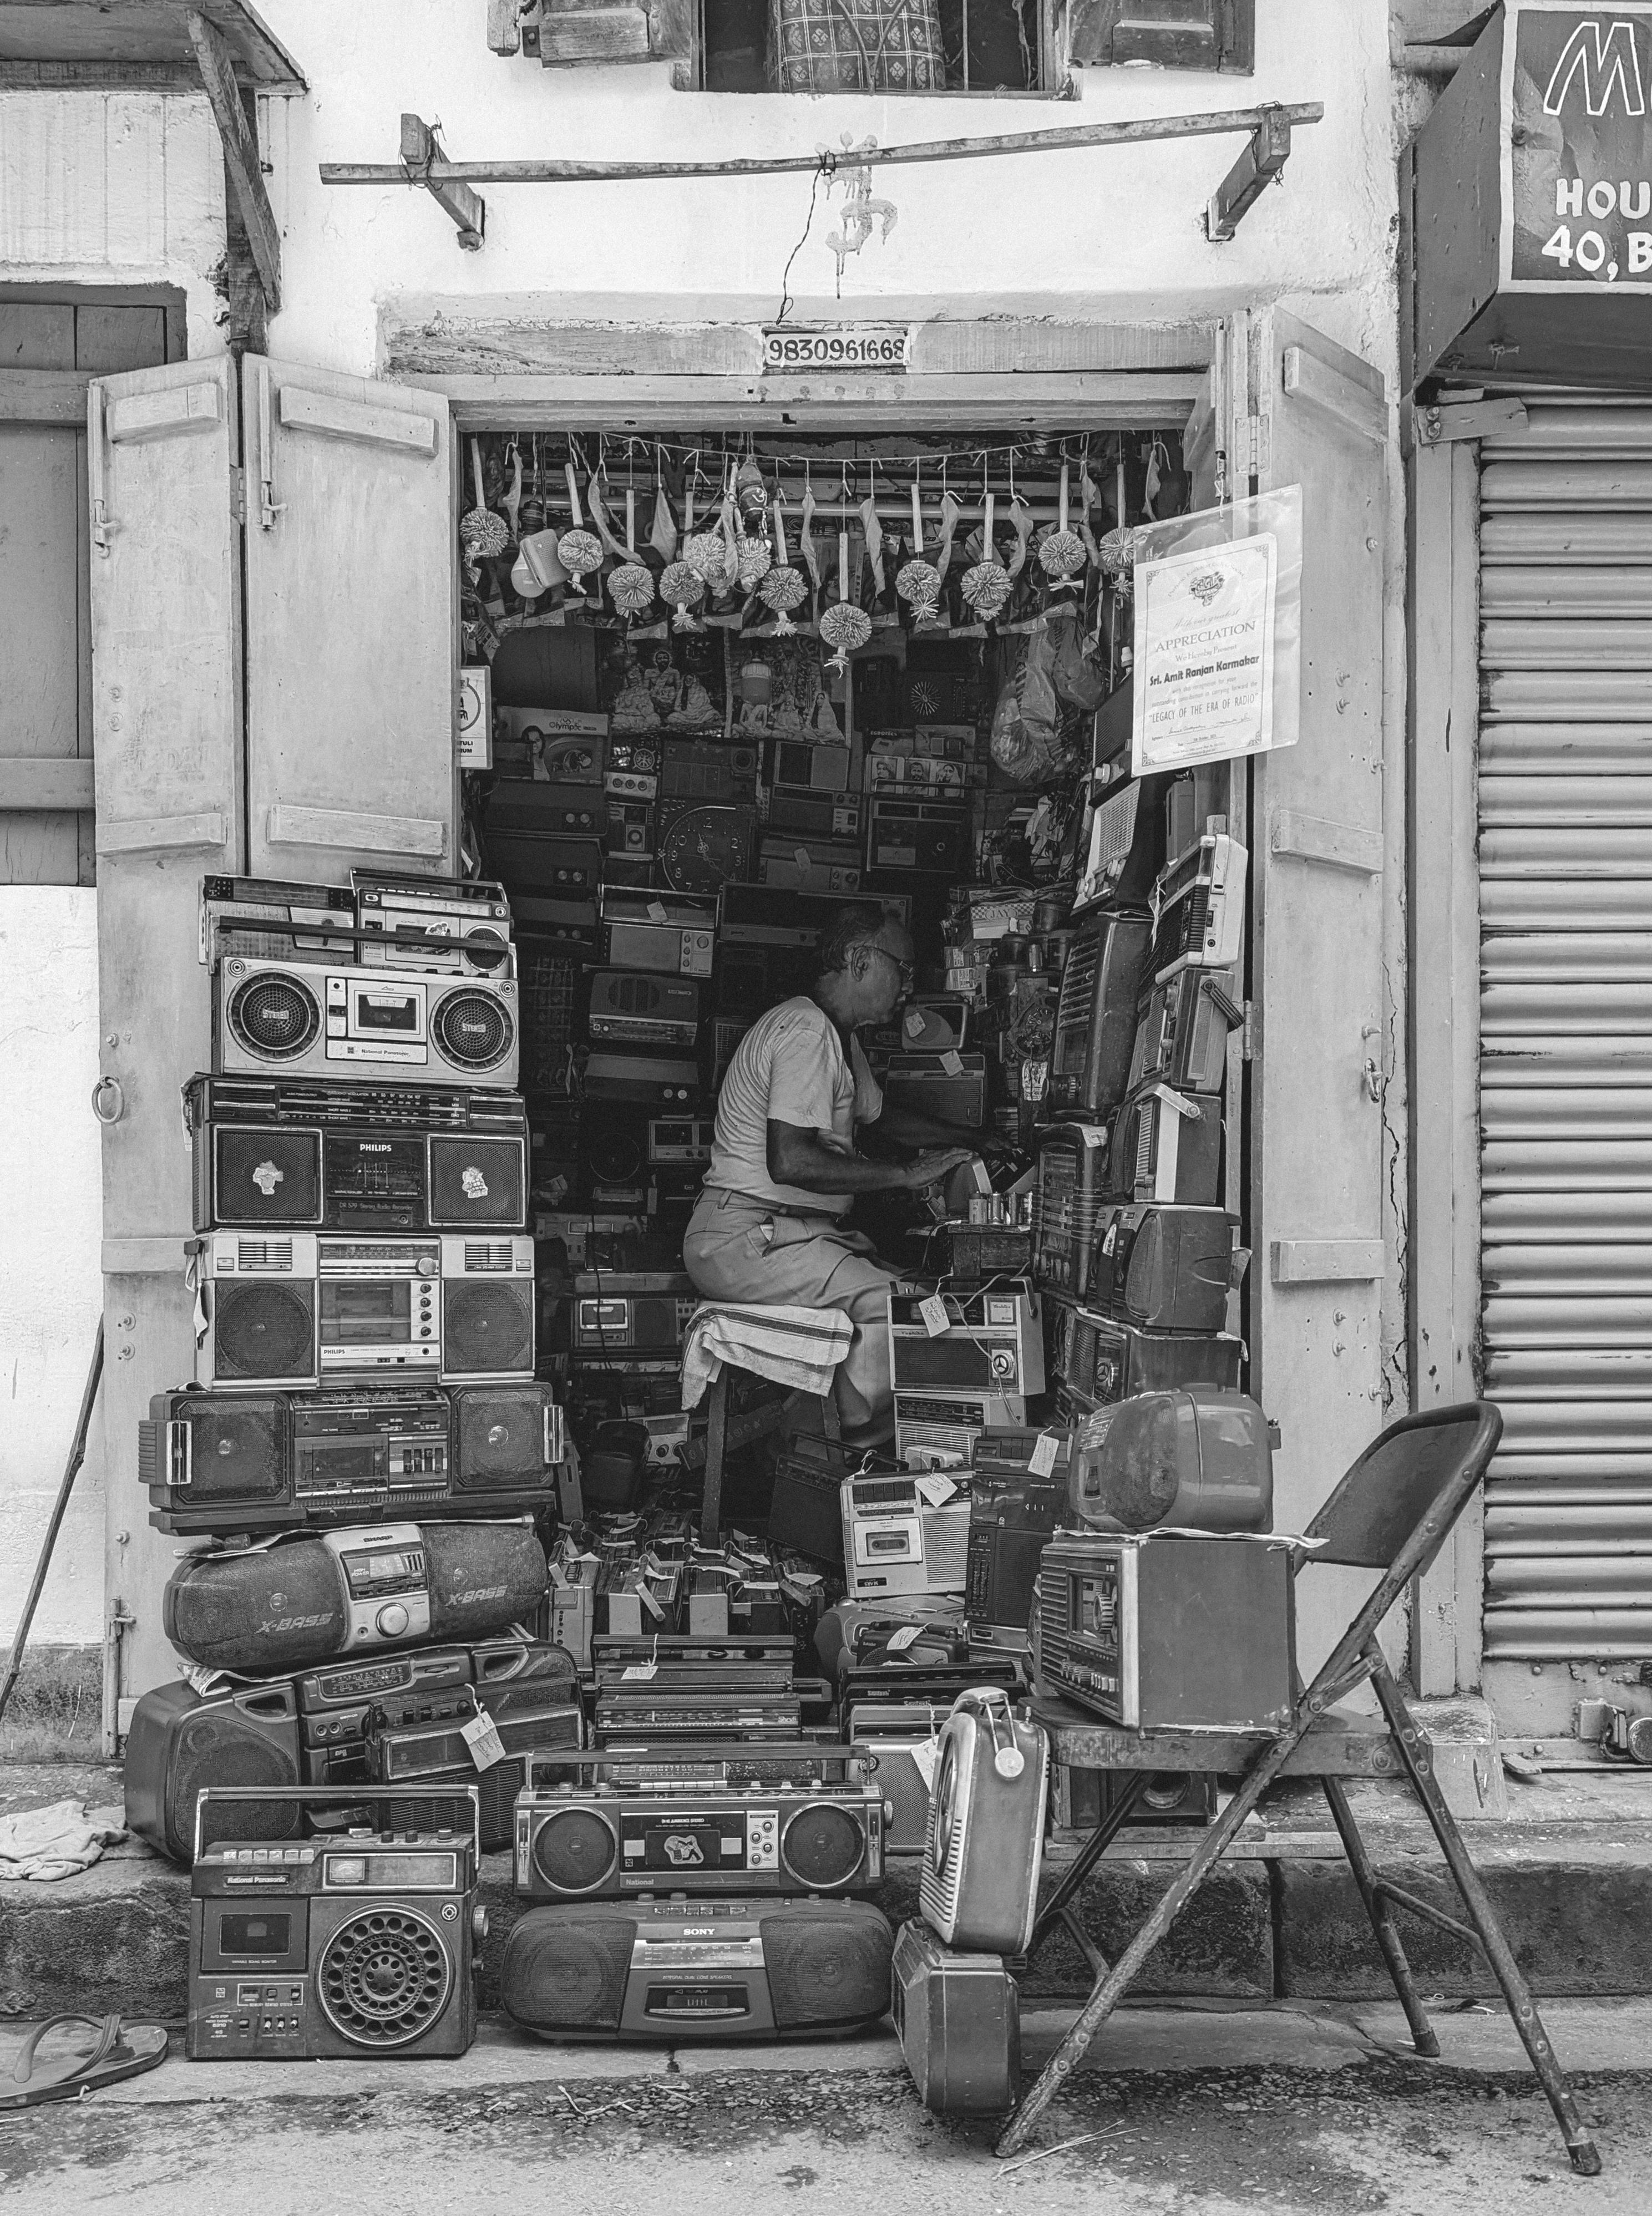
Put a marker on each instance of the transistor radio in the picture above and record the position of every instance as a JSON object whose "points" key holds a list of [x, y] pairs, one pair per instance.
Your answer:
{"points": [[642, 1010], [1096, 1016], [985, 1843], [1181, 1033], [810, 768], [540, 866], [643, 1081], [417, 1028], [1012, 1511], [1166, 1267], [363, 1944], [933, 1023], [927, 836], [681, 1139], [629, 1316], [465, 922], [672, 933], [1071, 1188], [895, 1542], [326, 1156], [948, 1423], [1165, 1145], [303, 1308], [1096, 1359], [221, 1462], [814, 815], [575, 810], [1170, 1630], [957, 2018], [675, 1971], [789, 864], [993, 1342], [1199, 907], [1198, 1459]]}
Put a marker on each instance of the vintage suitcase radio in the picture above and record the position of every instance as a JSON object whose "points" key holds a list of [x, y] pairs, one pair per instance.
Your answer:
{"points": [[627, 1010], [1196, 1459], [1181, 1033], [1071, 1188], [1165, 1267], [1165, 1145], [895, 1542], [1170, 1630], [1096, 1360], [1014, 1508], [992, 1341], [1095, 1017], [362, 1944], [1198, 905], [464, 922], [674, 934], [957, 2018], [985, 1843], [415, 1027]]}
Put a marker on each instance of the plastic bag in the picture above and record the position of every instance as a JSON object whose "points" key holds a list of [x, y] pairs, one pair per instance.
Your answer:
{"points": [[1026, 721], [1080, 683]]}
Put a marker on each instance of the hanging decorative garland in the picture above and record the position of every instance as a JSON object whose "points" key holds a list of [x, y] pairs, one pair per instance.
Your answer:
{"points": [[986, 587], [684, 588], [844, 626]]}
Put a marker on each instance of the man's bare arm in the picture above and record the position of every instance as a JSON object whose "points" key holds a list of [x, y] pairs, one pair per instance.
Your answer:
{"points": [[802, 1158]]}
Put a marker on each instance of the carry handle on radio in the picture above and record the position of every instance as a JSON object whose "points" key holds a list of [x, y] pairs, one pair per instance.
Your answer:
{"points": [[350, 1796], [273, 928], [697, 1750]]}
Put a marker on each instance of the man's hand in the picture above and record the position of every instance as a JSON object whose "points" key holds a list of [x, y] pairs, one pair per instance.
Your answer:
{"points": [[931, 1168]]}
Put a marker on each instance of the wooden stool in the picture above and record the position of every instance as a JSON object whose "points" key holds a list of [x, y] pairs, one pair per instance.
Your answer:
{"points": [[721, 1435]]}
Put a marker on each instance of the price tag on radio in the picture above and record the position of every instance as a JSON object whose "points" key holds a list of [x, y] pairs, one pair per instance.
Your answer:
{"points": [[656, 912], [952, 1062], [901, 1639], [934, 1312], [1042, 1460], [937, 1491], [637, 1670], [803, 858], [925, 1759], [481, 1735]]}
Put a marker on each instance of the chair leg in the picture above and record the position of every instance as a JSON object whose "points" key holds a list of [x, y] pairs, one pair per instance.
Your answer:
{"points": [[830, 1417], [1522, 2008], [1423, 2035], [716, 1425]]}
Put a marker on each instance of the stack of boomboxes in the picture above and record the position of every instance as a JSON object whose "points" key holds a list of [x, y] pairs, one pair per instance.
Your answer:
{"points": [[365, 1447]]}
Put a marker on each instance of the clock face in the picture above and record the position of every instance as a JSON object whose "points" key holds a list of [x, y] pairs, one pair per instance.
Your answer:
{"points": [[707, 848]]}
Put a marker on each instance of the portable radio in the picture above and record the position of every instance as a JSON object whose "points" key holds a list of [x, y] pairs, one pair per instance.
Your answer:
{"points": [[302, 1307], [1198, 907], [810, 768], [1164, 1267], [575, 810], [465, 922], [814, 815], [922, 835], [933, 1022], [630, 827], [1165, 1145], [672, 933], [1012, 1511], [985, 1844], [630, 1312], [1071, 1187], [644, 1010], [1170, 1630], [698, 770], [993, 1342], [948, 1423], [792, 864], [644, 1080], [957, 2018], [418, 1027], [274, 919], [338, 1701], [540, 866], [893, 1541], [437, 1756], [926, 1085], [1096, 1016], [894, 1731], [1198, 1459], [362, 1944], [1097, 1359], [681, 1139], [1181, 1033]]}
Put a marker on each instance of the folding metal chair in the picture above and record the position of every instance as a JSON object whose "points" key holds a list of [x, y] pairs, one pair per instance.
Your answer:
{"points": [[1392, 1512]]}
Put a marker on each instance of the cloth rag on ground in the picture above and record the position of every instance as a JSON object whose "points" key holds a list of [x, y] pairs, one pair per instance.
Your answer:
{"points": [[793, 1346], [53, 1842]]}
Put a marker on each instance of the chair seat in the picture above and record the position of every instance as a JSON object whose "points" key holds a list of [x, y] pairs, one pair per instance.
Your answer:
{"points": [[1342, 1743]]}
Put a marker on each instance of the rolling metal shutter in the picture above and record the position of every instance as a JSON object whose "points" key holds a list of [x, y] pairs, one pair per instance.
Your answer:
{"points": [[1566, 1029]]}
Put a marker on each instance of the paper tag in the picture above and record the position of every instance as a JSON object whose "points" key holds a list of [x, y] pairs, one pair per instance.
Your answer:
{"points": [[656, 912], [935, 1489], [926, 1759], [635, 1670], [901, 1639], [1042, 1459], [803, 858], [481, 1735], [934, 1312], [952, 1062]]}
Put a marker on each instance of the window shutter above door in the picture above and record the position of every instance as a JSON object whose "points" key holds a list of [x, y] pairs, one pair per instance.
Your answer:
{"points": [[1188, 34], [563, 34]]}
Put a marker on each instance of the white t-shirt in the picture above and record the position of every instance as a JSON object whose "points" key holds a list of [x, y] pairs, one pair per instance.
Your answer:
{"points": [[790, 1068]]}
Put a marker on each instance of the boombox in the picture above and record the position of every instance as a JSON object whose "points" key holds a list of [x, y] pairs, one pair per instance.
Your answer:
{"points": [[958, 2017], [1198, 904], [1200, 1459], [365, 1944], [180, 1741], [1071, 1187], [645, 1081], [1166, 1267], [276, 918], [1181, 1035], [344, 1708], [1014, 1509], [630, 832], [285, 1606], [985, 1844], [1099, 1360], [926, 1086], [281, 1016], [1095, 1017], [602, 1842], [893, 1541], [356, 1157], [464, 923], [992, 1342], [1165, 1145], [685, 1140], [544, 867], [935, 1022], [309, 1306], [461, 1754], [221, 1462], [1170, 1630], [948, 1423], [642, 1010], [808, 768], [814, 815], [672, 933], [789, 864], [642, 1312], [925, 836], [672, 1971]]}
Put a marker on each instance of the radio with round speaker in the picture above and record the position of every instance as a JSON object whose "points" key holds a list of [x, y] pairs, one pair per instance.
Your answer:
{"points": [[985, 1844]]}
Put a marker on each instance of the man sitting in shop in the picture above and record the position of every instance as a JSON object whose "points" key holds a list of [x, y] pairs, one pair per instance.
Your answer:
{"points": [[769, 1226]]}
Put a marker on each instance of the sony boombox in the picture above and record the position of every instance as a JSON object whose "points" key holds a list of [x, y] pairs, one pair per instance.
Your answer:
{"points": [[672, 934], [222, 1462], [356, 1157], [1014, 1507], [629, 1010], [788, 863], [308, 1307], [1165, 1267], [1165, 1145], [1096, 1360], [288, 1605], [957, 2018], [985, 1846], [1181, 1033], [1198, 907], [991, 1341], [417, 1028], [673, 1971], [895, 1542], [931, 837], [464, 923], [363, 1944], [1096, 1016]]}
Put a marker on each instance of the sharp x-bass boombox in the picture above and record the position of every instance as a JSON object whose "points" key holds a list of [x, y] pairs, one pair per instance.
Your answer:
{"points": [[418, 1028], [673, 1971], [980, 1884], [365, 1944], [356, 1157], [305, 1309]]}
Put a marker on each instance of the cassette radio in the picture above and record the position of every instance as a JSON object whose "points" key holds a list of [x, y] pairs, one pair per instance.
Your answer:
{"points": [[630, 1314], [356, 1157], [947, 1425], [685, 1139], [630, 828], [307, 1306], [1014, 1509], [296, 1602], [808, 768], [276, 919], [1095, 1017], [1199, 1459], [1071, 1188], [343, 1707], [895, 1542], [992, 1342], [696, 770], [1166, 1145], [644, 1080], [276, 1461], [644, 1010], [1181, 1037], [927, 836], [673, 1971], [1198, 907], [1097, 1360], [1165, 1267], [366, 1944], [542, 866], [598, 1843], [463, 921], [575, 810], [763, 915], [672, 933], [1170, 1630], [802, 865], [317, 1022], [814, 815]]}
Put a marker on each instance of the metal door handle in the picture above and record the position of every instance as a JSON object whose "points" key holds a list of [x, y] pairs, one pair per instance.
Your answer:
{"points": [[112, 1114], [1373, 1079]]}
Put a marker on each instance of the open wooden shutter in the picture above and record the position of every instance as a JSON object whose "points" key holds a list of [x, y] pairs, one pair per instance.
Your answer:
{"points": [[166, 700], [351, 608]]}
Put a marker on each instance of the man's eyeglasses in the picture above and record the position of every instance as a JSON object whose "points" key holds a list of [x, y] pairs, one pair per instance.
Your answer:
{"points": [[909, 975]]}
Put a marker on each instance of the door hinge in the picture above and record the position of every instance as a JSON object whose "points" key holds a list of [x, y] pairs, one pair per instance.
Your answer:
{"points": [[1260, 441], [1250, 1034], [238, 495]]}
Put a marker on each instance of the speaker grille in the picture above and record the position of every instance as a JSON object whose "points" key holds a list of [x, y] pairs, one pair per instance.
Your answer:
{"points": [[269, 1177], [823, 1846], [384, 1978], [484, 1578], [496, 1791], [264, 1331], [566, 1968], [828, 1965], [474, 1029], [274, 1016], [501, 1437], [476, 1181], [238, 1449], [574, 1850], [488, 1326], [220, 1747]]}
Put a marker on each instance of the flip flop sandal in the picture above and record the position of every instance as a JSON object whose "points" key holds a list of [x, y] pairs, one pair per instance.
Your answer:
{"points": [[119, 2050]]}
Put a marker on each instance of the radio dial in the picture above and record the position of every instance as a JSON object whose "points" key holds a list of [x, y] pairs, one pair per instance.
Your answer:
{"points": [[427, 1268], [392, 1620]]}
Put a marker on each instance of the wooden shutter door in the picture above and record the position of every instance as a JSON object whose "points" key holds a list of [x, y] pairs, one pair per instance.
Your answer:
{"points": [[351, 610]]}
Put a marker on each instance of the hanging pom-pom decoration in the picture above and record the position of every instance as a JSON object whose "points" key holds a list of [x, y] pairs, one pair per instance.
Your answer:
{"points": [[708, 555], [484, 535], [684, 588], [1061, 551], [985, 586], [578, 550], [755, 561], [632, 589], [846, 629], [783, 590], [918, 581], [1119, 550]]}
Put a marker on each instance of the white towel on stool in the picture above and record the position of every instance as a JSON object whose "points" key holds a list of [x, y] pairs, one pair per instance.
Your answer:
{"points": [[798, 1347]]}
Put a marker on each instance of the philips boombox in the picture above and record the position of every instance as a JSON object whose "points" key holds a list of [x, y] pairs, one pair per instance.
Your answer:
{"points": [[419, 1028], [308, 1308]]}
